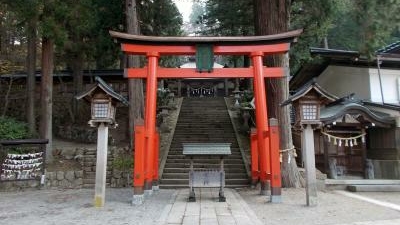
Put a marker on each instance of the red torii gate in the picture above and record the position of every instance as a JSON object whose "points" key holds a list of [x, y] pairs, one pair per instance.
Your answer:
{"points": [[146, 137]]}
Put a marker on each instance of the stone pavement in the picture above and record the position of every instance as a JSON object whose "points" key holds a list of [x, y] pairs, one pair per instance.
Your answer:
{"points": [[168, 206], [207, 209], [376, 222]]}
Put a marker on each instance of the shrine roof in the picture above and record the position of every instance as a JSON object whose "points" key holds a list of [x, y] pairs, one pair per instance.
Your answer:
{"points": [[290, 36], [393, 48], [350, 106]]}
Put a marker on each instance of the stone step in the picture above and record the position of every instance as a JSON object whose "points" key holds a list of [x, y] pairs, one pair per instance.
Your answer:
{"points": [[186, 181], [208, 140], [180, 156], [202, 165], [204, 161], [374, 188], [202, 130], [186, 175], [177, 146], [204, 135], [241, 170], [203, 120], [180, 186]]}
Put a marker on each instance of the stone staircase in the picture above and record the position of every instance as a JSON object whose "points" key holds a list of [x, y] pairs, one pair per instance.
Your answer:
{"points": [[203, 120]]}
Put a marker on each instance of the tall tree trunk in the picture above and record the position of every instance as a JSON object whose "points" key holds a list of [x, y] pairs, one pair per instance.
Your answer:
{"points": [[135, 86], [7, 97], [46, 95], [272, 17], [77, 73], [31, 78]]}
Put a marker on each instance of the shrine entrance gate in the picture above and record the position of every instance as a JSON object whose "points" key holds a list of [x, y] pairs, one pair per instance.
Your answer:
{"points": [[256, 47]]}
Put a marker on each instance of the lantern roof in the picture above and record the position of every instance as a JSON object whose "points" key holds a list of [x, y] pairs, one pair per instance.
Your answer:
{"points": [[308, 87], [103, 86]]}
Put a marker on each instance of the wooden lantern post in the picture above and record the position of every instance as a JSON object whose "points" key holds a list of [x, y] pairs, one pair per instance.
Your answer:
{"points": [[103, 102], [307, 108]]}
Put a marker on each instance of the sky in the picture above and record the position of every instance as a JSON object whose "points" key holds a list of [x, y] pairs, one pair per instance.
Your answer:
{"points": [[185, 8]]}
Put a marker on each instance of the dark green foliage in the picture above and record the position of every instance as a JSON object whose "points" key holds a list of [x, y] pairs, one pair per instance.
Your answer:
{"points": [[315, 17], [360, 25], [228, 18], [109, 16], [160, 18], [162, 97], [11, 129], [123, 163]]}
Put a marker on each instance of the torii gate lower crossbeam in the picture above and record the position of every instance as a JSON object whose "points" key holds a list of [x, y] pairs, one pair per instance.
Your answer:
{"points": [[146, 166]]}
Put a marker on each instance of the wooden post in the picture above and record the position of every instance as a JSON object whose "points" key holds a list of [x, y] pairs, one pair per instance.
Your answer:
{"points": [[255, 171], [155, 163], [150, 119], [309, 160], [101, 165], [138, 173], [261, 119], [276, 182]]}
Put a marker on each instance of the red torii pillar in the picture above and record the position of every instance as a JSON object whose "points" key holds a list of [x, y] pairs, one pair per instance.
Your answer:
{"points": [[146, 143]]}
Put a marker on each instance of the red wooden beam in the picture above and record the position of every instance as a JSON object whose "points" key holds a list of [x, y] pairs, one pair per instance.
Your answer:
{"points": [[191, 73], [140, 49]]}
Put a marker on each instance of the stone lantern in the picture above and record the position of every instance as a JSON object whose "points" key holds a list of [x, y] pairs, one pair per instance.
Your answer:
{"points": [[103, 100]]}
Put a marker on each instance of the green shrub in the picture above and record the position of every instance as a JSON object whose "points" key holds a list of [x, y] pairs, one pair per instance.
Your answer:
{"points": [[123, 163], [11, 129]]}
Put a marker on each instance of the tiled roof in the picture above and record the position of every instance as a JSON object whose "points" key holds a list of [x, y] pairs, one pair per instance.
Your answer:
{"points": [[312, 84], [348, 104], [106, 88], [393, 48]]}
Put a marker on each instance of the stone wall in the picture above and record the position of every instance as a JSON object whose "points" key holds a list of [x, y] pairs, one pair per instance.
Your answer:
{"points": [[116, 177], [64, 179], [83, 134], [19, 185], [118, 171]]}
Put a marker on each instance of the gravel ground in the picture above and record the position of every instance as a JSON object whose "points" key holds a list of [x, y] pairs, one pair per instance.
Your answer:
{"points": [[333, 208], [62, 207]]}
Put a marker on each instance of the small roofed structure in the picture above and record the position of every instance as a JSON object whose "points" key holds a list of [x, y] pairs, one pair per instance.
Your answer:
{"points": [[103, 100], [340, 148], [310, 96]]}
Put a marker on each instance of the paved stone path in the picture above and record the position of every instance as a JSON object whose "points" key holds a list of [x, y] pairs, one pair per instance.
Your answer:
{"points": [[207, 209], [376, 222], [167, 206]]}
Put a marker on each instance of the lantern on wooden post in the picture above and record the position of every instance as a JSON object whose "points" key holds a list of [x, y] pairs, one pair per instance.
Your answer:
{"points": [[307, 103], [103, 100], [307, 110]]}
